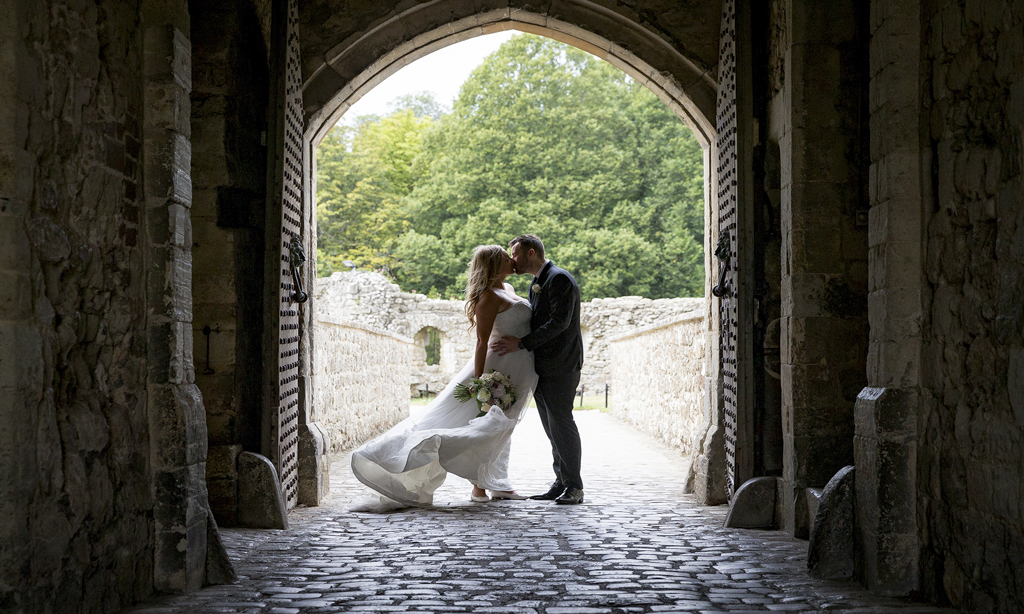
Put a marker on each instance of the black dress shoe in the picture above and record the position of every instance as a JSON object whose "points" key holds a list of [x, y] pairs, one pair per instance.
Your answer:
{"points": [[552, 493], [571, 496]]}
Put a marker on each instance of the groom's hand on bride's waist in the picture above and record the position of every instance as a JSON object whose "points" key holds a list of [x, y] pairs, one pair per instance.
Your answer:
{"points": [[506, 345]]}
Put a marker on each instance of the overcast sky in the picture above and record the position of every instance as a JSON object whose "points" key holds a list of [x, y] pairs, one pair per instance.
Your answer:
{"points": [[440, 73]]}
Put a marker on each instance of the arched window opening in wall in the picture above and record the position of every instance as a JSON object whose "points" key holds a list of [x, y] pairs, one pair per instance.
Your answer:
{"points": [[431, 340]]}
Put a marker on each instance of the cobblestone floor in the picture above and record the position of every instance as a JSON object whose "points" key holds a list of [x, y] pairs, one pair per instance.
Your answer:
{"points": [[638, 544]]}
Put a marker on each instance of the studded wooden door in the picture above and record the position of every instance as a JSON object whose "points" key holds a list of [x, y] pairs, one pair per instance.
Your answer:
{"points": [[285, 421], [727, 192], [736, 239]]}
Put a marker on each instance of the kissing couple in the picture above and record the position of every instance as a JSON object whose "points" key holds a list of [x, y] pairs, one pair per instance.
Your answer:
{"points": [[537, 344]]}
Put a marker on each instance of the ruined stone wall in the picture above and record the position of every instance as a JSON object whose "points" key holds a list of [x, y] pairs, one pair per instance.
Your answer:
{"points": [[371, 300], [603, 319], [75, 492], [362, 381], [658, 380], [971, 440]]}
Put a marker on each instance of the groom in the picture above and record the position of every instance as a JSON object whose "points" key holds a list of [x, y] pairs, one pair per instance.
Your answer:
{"points": [[557, 346]]}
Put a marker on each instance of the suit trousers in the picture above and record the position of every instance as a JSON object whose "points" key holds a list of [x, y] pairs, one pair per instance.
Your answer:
{"points": [[554, 396]]}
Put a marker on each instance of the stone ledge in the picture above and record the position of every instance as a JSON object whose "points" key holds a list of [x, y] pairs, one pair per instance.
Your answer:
{"points": [[654, 327], [335, 321]]}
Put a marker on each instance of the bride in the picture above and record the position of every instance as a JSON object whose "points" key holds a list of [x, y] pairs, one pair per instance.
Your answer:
{"points": [[411, 460]]}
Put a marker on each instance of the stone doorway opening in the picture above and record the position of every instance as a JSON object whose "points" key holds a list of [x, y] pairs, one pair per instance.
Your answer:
{"points": [[694, 320]]}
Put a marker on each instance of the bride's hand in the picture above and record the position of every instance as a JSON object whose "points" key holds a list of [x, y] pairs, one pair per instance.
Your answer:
{"points": [[506, 345]]}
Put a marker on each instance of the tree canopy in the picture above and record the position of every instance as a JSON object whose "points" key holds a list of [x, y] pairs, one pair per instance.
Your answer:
{"points": [[543, 138]]}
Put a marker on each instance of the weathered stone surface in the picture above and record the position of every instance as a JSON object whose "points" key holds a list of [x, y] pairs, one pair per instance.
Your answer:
{"points": [[314, 464], [754, 504], [885, 449], [658, 380], [371, 300], [830, 553], [219, 569], [349, 356], [222, 483], [260, 500]]}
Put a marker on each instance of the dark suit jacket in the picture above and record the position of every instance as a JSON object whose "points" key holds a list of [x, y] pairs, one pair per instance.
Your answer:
{"points": [[555, 340]]}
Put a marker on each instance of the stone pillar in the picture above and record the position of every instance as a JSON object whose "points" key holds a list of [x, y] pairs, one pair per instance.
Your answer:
{"points": [[824, 248], [887, 413], [176, 415]]}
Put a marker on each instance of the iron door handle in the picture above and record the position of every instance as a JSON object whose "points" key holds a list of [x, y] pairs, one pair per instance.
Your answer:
{"points": [[297, 258], [724, 255]]}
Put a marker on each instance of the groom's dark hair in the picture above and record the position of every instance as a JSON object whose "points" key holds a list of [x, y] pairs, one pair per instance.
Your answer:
{"points": [[529, 242]]}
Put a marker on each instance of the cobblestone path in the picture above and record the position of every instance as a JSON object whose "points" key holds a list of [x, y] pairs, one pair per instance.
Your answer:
{"points": [[638, 544]]}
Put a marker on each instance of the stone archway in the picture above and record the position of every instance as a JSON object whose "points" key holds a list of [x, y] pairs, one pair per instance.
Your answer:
{"points": [[342, 65]]}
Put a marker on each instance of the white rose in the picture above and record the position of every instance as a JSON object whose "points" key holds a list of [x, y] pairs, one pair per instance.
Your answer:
{"points": [[535, 288], [507, 399], [484, 395]]}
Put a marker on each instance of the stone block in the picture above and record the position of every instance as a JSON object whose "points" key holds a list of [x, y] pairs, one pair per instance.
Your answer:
{"points": [[168, 165], [167, 56], [169, 352], [801, 294], [314, 464], [169, 108], [219, 569], [222, 462], [816, 250], [830, 553], [753, 505], [261, 502], [885, 453], [170, 226], [177, 425]]}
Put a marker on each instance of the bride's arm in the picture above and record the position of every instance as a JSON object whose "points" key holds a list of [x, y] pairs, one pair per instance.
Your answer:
{"points": [[486, 310]]}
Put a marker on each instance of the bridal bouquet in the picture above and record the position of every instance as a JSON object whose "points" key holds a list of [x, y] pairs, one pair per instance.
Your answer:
{"points": [[490, 389]]}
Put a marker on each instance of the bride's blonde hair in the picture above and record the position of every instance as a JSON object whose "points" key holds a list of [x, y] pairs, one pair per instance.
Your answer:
{"points": [[484, 270]]}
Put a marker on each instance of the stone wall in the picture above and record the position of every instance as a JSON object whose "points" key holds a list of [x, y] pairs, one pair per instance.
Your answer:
{"points": [[658, 380], [824, 244], [371, 300], [970, 446], [362, 381], [603, 319], [229, 97], [75, 492]]}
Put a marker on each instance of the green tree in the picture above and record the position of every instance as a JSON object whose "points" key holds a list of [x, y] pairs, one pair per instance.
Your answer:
{"points": [[542, 138], [364, 174]]}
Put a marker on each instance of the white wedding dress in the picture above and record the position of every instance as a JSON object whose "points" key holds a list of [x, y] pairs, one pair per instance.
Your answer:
{"points": [[411, 460]]}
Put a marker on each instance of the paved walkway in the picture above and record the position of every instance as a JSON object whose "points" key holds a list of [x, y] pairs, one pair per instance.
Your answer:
{"points": [[638, 544]]}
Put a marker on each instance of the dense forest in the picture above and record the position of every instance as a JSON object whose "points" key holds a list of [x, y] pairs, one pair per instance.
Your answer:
{"points": [[543, 138]]}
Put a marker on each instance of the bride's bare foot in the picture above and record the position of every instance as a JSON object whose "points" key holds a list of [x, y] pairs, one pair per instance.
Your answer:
{"points": [[479, 494]]}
